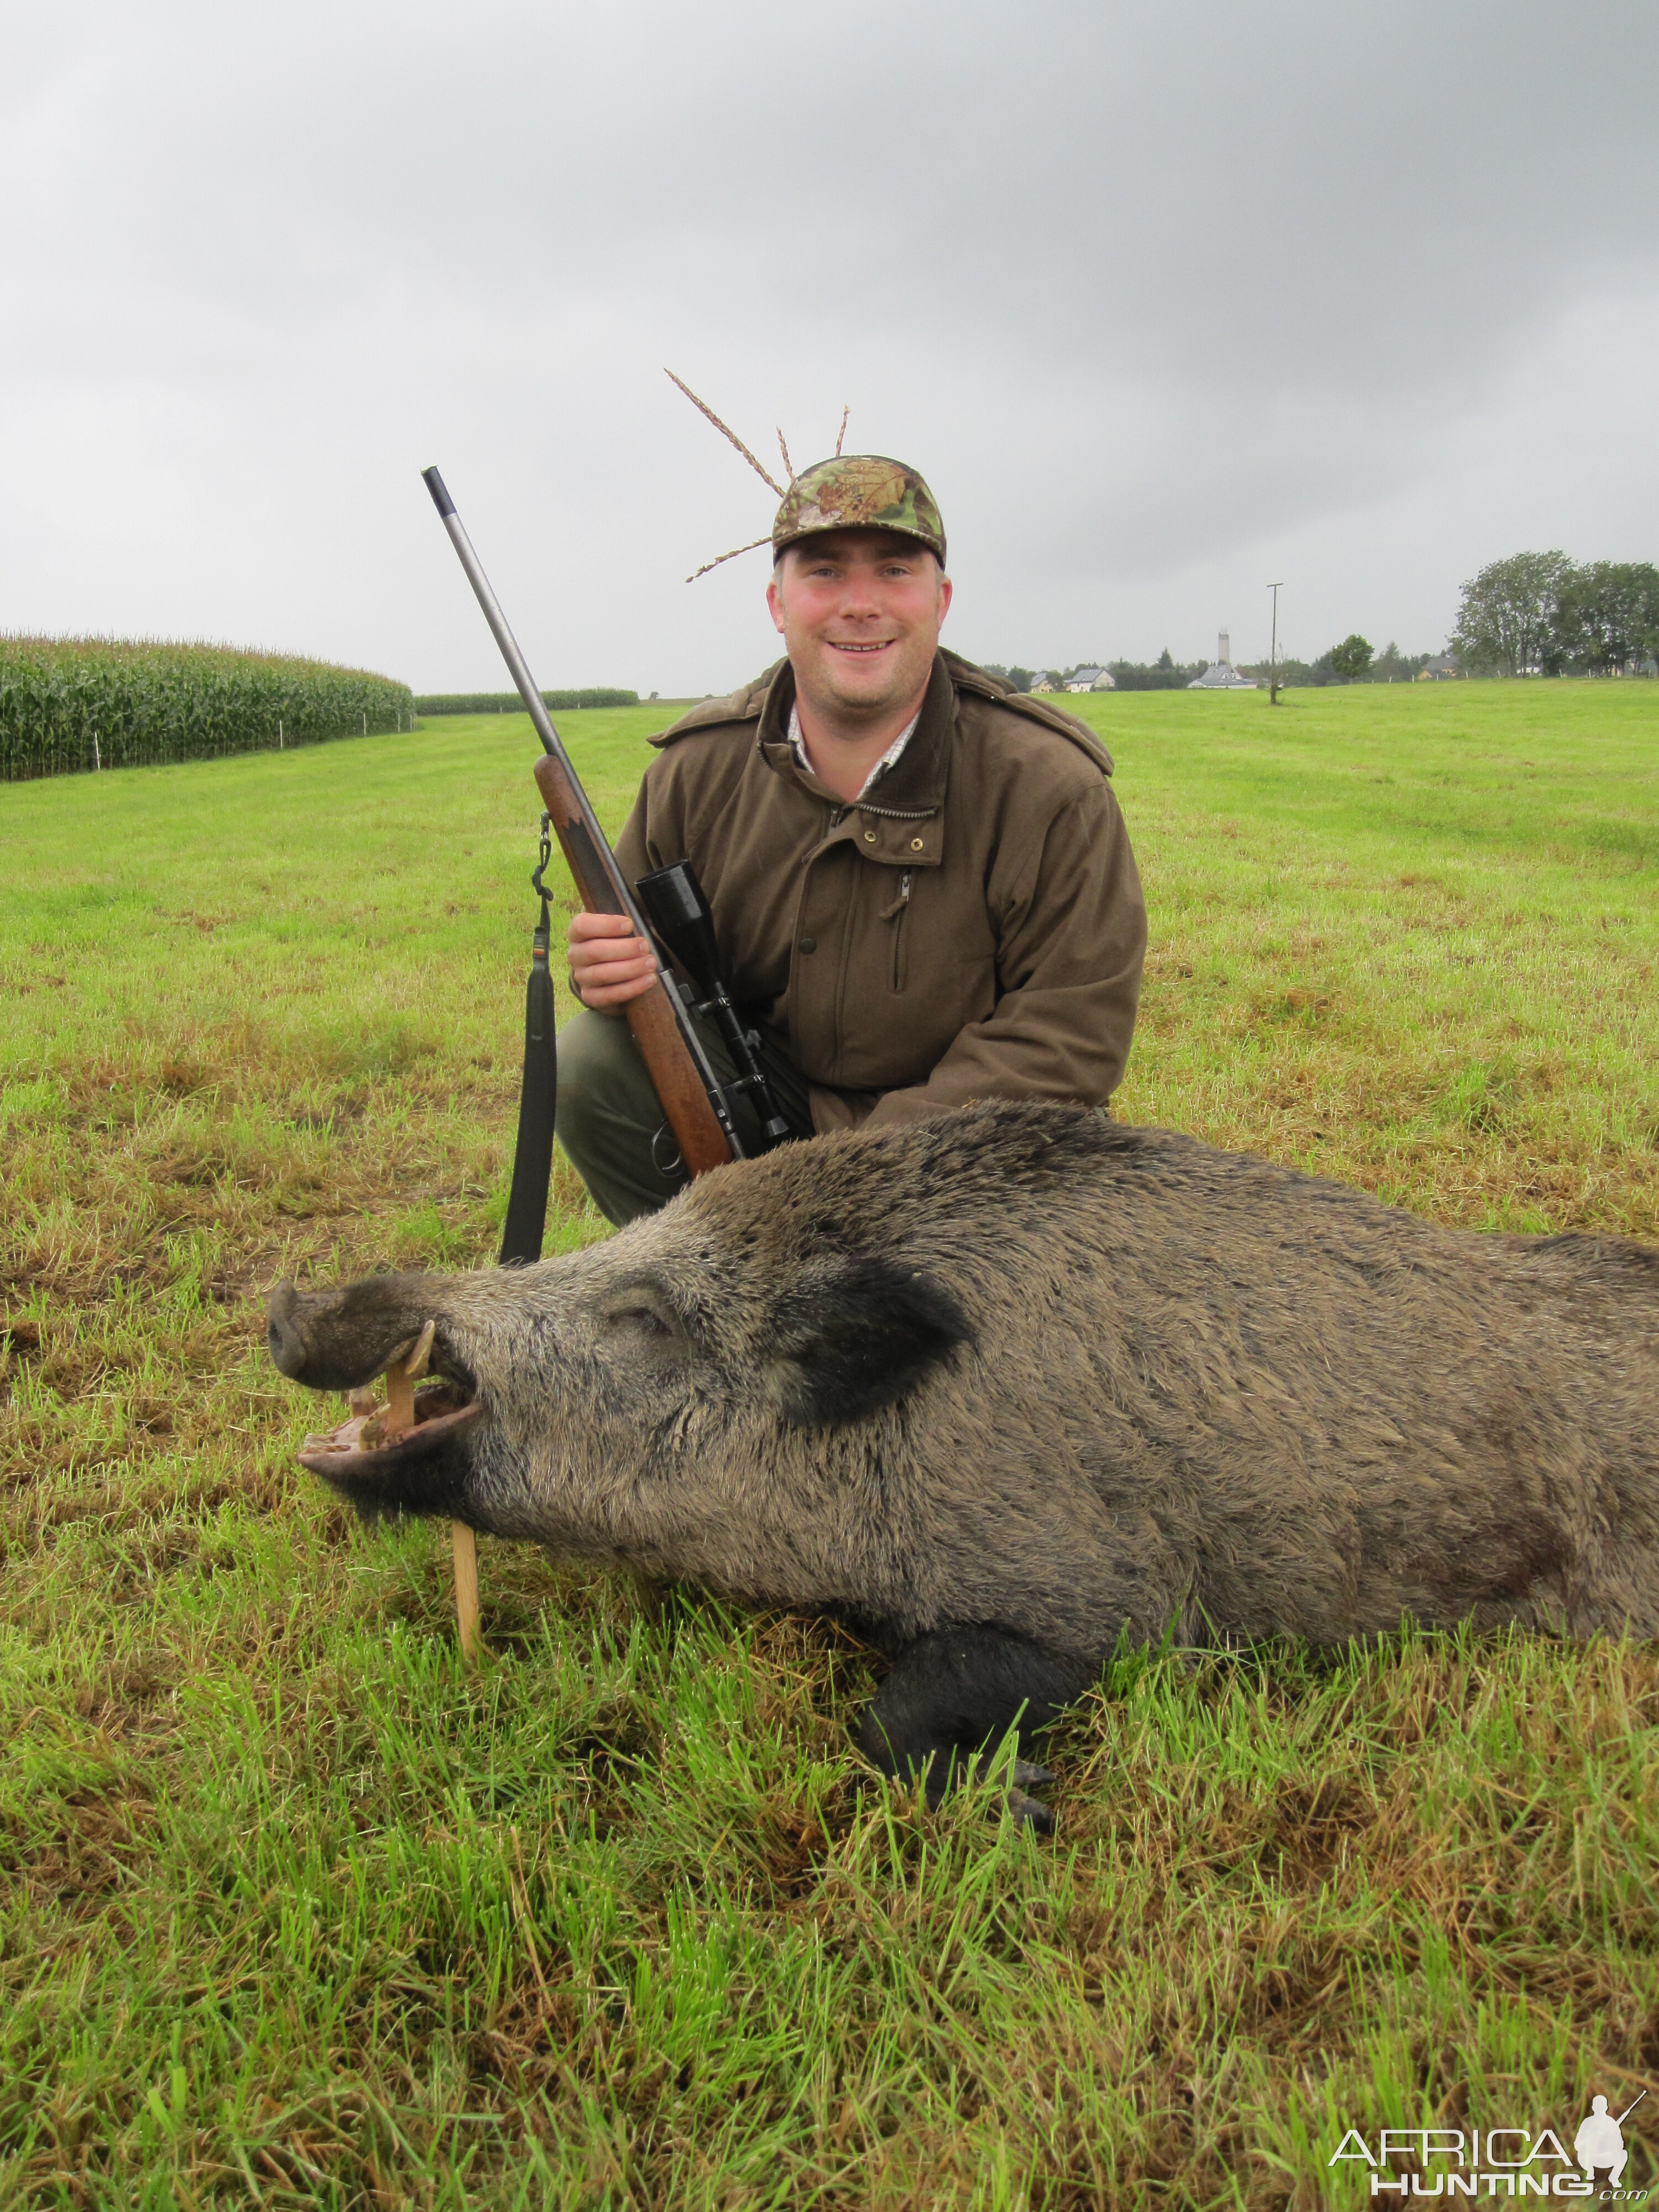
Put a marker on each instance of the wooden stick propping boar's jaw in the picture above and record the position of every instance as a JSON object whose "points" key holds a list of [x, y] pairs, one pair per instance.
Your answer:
{"points": [[368, 1453], [401, 1376]]}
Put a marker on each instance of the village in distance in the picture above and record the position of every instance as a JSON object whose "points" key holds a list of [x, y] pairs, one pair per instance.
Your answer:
{"points": [[1532, 614]]}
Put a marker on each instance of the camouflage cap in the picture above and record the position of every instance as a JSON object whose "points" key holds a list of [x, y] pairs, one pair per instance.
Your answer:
{"points": [[859, 491]]}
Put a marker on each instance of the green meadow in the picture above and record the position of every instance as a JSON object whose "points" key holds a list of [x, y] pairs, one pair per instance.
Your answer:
{"points": [[296, 1912]]}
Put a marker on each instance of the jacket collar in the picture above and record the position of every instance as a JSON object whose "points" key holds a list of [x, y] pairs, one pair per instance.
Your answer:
{"points": [[915, 785]]}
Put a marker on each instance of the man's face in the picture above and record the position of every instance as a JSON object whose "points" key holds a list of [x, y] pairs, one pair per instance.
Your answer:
{"points": [[859, 611]]}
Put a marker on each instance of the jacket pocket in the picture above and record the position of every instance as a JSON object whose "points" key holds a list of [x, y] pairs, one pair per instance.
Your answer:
{"points": [[895, 914]]}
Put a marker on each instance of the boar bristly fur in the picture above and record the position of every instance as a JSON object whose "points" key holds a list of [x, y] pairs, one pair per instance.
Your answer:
{"points": [[1021, 1371]]}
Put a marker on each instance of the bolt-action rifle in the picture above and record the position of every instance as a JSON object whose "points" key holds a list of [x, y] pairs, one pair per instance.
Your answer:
{"points": [[676, 919], [684, 1080]]}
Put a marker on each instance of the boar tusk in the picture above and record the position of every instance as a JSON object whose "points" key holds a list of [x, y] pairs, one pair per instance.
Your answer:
{"points": [[416, 1366]]}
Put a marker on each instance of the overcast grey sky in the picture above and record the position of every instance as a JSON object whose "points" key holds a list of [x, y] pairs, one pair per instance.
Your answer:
{"points": [[1164, 300]]}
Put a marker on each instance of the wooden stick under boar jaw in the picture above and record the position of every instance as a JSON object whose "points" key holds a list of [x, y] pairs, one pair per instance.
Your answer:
{"points": [[401, 1376]]}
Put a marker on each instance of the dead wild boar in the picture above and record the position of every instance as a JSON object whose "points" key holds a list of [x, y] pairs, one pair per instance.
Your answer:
{"points": [[997, 1387]]}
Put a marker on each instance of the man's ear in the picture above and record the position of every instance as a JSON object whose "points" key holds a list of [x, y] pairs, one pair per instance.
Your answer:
{"points": [[859, 1336]]}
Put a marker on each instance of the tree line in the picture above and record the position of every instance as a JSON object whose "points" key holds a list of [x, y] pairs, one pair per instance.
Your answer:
{"points": [[1542, 614], [1163, 674], [509, 702], [1353, 661]]}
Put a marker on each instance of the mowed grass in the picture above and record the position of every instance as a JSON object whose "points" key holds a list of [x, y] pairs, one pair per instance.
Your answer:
{"points": [[297, 1912]]}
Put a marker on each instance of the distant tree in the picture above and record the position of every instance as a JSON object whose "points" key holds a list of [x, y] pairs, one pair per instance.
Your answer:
{"points": [[1606, 617], [1162, 674], [1393, 667], [1508, 616], [1350, 660], [1022, 678]]}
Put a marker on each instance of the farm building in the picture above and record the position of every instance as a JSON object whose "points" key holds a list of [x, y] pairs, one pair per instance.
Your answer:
{"points": [[1221, 675], [1092, 679]]}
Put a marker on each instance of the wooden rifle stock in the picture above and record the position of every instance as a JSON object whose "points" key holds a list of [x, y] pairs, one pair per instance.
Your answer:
{"points": [[675, 1075]]}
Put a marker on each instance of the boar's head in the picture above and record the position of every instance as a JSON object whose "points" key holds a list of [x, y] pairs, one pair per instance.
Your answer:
{"points": [[653, 1399]]}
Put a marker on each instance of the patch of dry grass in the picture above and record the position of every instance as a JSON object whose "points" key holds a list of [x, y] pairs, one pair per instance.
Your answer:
{"points": [[298, 1913]]}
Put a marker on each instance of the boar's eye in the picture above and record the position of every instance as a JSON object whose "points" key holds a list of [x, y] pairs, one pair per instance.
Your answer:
{"points": [[639, 1318], [641, 1315]]}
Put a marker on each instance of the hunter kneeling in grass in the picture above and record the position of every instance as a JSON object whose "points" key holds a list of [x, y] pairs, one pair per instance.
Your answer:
{"points": [[922, 882]]}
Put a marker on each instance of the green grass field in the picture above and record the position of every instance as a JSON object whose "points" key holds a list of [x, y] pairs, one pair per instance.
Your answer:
{"points": [[296, 1913]]}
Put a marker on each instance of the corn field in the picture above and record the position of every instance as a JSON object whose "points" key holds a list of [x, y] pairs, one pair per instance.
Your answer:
{"points": [[69, 704]]}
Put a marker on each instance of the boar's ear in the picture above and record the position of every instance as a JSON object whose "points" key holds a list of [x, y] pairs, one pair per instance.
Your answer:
{"points": [[860, 1336]]}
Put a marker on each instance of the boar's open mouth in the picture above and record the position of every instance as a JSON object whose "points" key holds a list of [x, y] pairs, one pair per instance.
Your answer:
{"points": [[370, 1443], [413, 1453]]}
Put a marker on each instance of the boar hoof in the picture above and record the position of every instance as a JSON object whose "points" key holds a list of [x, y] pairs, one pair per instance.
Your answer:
{"points": [[1031, 1814], [953, 1693]]}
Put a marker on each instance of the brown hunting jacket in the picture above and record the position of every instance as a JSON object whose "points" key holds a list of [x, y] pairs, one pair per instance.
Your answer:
{"points": [[971, 928]]}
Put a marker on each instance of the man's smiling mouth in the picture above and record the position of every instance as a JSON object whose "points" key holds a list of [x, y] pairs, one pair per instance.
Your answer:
{"points": [[877, 645]]}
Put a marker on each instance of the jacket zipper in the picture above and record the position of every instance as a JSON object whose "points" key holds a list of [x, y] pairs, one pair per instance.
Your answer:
{"points": [[895, 914]]}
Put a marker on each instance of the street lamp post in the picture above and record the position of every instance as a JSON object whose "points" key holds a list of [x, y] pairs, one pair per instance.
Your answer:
{"points": [[1273, 657]]}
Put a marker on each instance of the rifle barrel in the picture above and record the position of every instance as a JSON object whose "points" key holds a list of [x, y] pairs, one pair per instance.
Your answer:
{"points": [[518, 669]]}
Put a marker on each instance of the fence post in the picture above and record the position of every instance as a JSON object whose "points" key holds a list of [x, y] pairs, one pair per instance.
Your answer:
{"points": [[279, 733], [365, 721], [97, 757]]}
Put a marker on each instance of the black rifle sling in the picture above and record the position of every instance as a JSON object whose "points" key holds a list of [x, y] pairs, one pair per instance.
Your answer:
{"points": [[532, 1155]]}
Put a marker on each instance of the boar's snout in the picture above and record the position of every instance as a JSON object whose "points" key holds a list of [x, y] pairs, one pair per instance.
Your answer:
{"points": [[283, 1334], [341, 1340]]}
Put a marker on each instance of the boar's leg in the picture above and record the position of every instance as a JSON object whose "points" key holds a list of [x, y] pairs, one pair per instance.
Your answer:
{"points": [[951, 1694]]}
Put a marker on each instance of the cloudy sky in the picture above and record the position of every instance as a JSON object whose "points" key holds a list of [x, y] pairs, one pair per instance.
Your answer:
{"points": [[1165, 301]]}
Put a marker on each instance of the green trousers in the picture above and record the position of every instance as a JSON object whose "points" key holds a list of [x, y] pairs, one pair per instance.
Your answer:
{"points": [[612, 1128]]}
